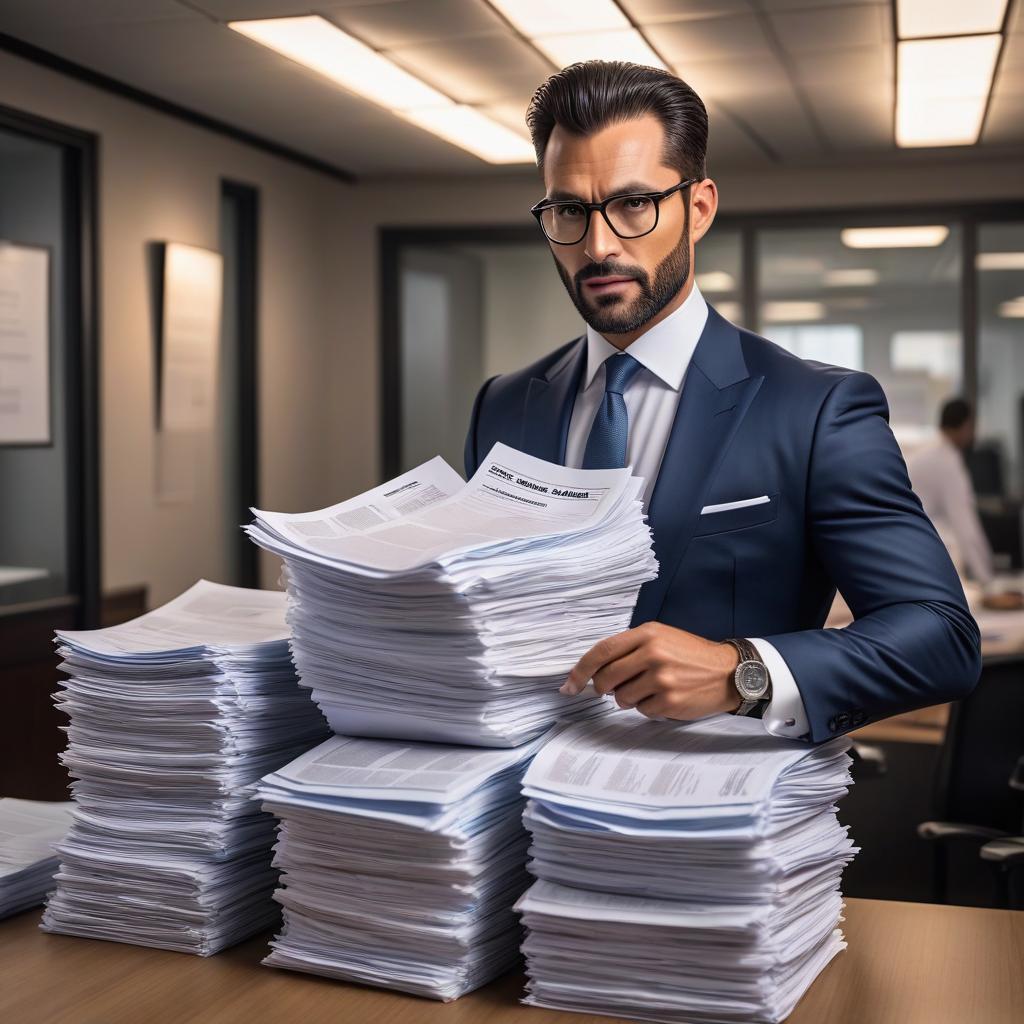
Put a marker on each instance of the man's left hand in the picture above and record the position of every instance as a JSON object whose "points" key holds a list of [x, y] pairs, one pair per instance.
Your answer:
{"points": [[661, 671]]}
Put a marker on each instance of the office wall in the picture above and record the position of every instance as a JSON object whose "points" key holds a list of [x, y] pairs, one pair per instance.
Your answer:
{"points": [[160, 180]]}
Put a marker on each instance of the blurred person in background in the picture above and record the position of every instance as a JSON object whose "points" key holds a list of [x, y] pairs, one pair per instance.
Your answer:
{"points": [[939, 475]]}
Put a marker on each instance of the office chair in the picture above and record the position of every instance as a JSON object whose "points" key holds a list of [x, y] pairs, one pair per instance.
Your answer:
{"points": [[1007, 855], [973, 804]]}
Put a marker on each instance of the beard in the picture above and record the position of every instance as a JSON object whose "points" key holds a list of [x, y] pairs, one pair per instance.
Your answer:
{"points": [[611, 314]]}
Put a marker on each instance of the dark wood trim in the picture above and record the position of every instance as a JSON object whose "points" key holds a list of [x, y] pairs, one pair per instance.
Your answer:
{"points": [[247, 199], [81, 317], [27, 51], [391, 241]]}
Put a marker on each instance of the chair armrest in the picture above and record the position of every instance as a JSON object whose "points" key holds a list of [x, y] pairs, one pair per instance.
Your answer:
{"points": [[947, 831], [869, 761], [1009, 851]]}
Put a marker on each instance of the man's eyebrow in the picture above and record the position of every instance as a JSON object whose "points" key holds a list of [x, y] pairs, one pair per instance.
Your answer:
{"points": [[557, 195]]}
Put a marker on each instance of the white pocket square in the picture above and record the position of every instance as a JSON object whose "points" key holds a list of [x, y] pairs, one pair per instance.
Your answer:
{"points": [[728, 506]]}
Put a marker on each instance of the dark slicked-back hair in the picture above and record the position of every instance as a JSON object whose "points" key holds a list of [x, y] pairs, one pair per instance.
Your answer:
{"points": [[586, 97]]}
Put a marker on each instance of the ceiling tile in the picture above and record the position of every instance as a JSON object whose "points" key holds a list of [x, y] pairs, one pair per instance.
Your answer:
{"points": [[867, 69], [771, 6], [407, 22], [1005, 122], [511, 112], [484, 69], [648, 12], [245, 10], [709, 38], [50, 15], [854, 121], [833, 28], [727, 82]]}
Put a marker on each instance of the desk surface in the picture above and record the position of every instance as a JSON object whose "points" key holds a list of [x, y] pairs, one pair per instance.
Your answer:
{"points": [[908, 963]]}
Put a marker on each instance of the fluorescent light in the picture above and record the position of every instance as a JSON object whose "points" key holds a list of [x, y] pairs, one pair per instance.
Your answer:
{"points": [[789, 312], [468, 128], [716, 281], [542, 18], [999, 261], [626, 44], [917, 236], [851, 277], [323, 47], [917, 18], [942, 88], [317, 44], [1012, 308]]}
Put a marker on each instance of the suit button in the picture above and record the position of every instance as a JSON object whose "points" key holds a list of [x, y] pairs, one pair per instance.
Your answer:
{"points": [[858, 718], [843, 719], [832, 724]]}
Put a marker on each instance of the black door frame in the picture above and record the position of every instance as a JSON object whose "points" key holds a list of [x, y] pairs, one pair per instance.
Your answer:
{"points": [[391, 241], [247, 198], [81, 316]]}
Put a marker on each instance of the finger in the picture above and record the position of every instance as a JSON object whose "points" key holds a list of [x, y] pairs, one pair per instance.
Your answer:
{"points": [[630, 694], [598, 656], [620, 671], [654, 707]]}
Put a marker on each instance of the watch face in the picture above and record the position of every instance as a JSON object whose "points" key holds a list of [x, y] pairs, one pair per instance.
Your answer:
{"points": [[751, 680]]}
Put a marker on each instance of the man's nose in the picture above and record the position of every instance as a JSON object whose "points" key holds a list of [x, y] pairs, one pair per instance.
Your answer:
{"points": [[600, 242]]}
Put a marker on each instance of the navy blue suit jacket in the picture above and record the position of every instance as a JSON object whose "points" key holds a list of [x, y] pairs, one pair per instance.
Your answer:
{"points": [[754, 420]]}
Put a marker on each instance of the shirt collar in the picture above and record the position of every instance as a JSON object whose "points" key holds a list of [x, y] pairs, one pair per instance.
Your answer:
{"points": [[665, 349]]}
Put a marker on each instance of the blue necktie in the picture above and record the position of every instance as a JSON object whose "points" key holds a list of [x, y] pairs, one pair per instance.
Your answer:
{"points": [[606, 445]]}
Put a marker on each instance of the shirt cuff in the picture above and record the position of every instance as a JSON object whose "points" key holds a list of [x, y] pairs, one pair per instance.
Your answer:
{"points": [[785, 715]]}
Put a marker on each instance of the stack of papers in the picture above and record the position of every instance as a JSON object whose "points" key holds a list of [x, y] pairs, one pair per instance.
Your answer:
{"points": [[400, 863], [28, 830], [433, 609], [174, 717], [687, 871]]}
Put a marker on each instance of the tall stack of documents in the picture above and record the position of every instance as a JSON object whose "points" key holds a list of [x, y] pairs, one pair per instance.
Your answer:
{"points": [[400, 863], [174, 717], [686, 871], [28, 830], [429, 608]]}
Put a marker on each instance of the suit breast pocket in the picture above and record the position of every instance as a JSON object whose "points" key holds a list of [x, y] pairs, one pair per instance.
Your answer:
{"points": [[742, 515]]}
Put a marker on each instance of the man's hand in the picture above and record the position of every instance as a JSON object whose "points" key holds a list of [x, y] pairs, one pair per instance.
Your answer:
{"points": [[661, 671]]}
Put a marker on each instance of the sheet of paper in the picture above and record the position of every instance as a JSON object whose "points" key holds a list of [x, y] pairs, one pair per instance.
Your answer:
{"points": [[24, 344], [205, 614]]}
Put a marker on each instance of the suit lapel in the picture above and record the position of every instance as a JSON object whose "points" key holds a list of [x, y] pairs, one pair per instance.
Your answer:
{"points": [[549, 402], [716, 394]]}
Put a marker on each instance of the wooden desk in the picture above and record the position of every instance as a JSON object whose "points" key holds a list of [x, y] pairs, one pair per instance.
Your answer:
{"points": [[908, 963]]}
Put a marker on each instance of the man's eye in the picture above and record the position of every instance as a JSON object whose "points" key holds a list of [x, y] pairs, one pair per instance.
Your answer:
{"points": [[569, 210], [637, 204]]}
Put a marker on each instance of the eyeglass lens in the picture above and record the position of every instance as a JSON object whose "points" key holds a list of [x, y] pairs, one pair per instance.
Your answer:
{"points": [[629, 217]]}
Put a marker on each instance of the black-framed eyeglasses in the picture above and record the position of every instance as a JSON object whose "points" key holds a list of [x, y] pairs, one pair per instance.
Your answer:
{"points": [[567, 221]]}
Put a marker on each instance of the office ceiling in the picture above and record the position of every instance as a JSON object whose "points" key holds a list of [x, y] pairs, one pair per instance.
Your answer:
{"points": [[786, 82]]}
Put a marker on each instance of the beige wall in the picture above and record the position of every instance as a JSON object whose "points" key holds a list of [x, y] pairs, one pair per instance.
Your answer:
{"points": [[160, 180]]}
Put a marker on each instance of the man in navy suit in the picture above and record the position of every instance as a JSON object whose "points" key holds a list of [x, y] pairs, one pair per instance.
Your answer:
{"points": [[771, 481]]}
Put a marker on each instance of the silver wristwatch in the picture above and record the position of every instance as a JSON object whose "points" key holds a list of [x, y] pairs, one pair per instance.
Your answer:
{"points": [[751, 678]]}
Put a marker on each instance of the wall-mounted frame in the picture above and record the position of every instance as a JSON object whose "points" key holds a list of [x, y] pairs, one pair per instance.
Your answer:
{"points": [[26, 388]]}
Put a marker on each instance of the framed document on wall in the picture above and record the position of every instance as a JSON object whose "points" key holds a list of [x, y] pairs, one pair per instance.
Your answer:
{"points": [[24, 344], [192, 285]]}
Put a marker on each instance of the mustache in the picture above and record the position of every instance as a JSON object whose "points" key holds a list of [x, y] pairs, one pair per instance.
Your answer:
{"points": [[609, 270]]}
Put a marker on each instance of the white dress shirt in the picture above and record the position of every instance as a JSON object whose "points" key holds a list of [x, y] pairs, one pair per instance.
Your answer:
{"points": [[939, 476], [652, 397]]}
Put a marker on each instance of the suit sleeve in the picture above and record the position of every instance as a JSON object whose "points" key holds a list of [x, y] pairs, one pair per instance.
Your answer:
{"points": [[913, 641], [471, 453]]}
